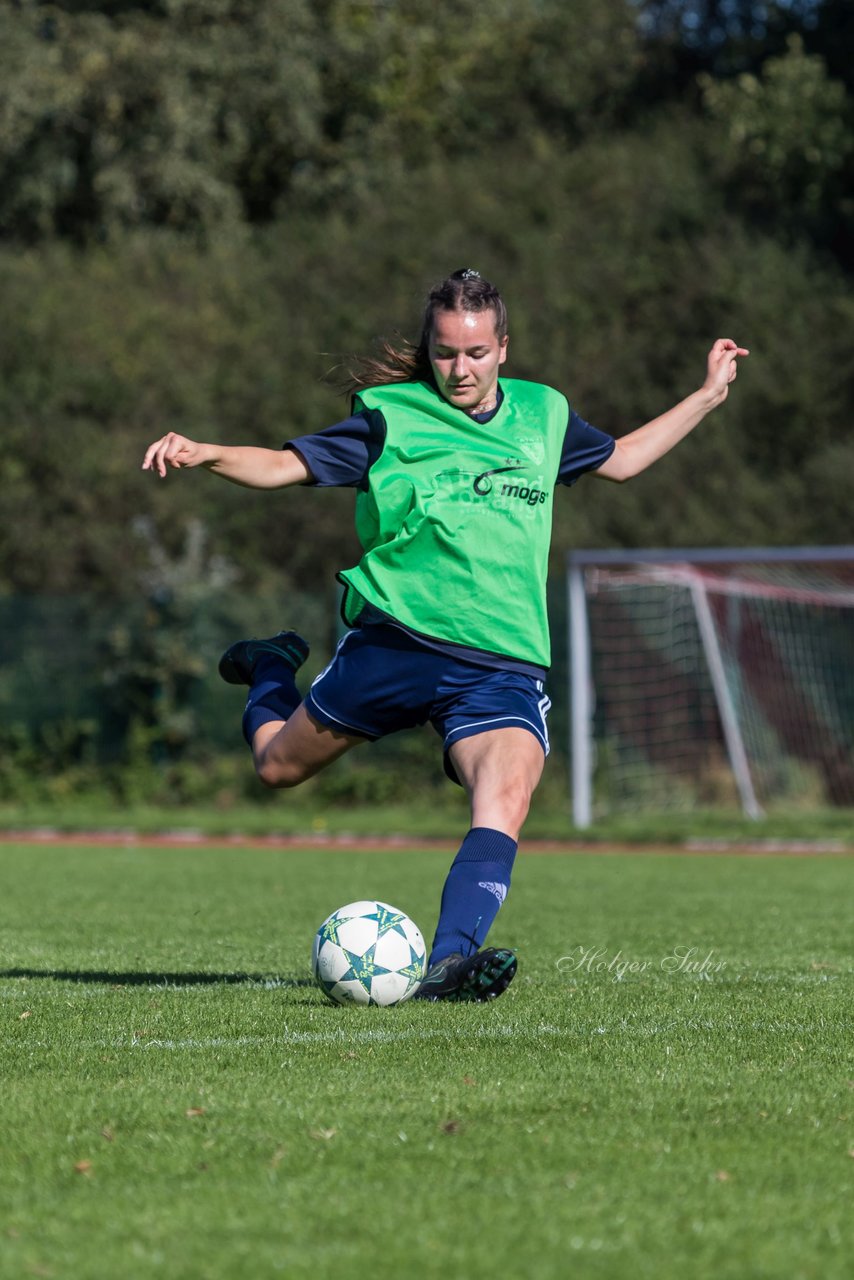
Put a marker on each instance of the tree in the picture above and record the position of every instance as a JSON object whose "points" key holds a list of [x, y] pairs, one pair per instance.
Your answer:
{"points": [[784, 137], [184, 119], [196, 116]]}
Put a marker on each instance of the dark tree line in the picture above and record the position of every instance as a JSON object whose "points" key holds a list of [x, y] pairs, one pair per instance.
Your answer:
{"points": [[204, 205]]}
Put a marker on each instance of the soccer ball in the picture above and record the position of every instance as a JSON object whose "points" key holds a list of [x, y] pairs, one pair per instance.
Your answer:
{"points": [[368, 953]]}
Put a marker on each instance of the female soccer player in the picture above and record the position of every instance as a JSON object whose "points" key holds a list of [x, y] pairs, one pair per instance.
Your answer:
{"points": [[455, 472]]}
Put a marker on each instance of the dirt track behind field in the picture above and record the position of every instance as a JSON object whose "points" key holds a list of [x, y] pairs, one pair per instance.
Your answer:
{"points": [[409, 844]]}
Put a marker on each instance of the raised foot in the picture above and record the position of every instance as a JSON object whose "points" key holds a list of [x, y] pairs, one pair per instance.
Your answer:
{"points": [[237, 664]]}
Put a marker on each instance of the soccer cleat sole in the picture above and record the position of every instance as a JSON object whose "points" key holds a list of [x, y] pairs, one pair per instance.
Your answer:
{"points": [[489, 980], [487, 975], [237, 664]]}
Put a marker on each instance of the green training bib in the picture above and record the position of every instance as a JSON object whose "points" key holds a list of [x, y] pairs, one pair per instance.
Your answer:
{"points": [[456, 518]]}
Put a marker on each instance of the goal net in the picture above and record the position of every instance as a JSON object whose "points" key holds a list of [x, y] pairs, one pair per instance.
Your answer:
{"points": [[712, 678]]}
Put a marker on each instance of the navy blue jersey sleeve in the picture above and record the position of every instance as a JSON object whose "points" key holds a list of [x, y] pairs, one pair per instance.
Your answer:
{"points": [[341, 456], [584, 449]]}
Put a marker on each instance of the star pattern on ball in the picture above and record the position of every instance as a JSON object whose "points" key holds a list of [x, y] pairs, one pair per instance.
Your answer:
{"points": [[328, 931], [363, 968], [414, 971], [387, 921]]}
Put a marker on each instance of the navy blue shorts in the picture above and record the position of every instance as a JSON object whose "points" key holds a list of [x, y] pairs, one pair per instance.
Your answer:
{"points": [[381, 680]]}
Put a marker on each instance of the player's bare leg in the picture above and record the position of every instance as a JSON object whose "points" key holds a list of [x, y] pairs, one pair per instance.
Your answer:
{"points": [[290, 746], [286, 752], [500, 771]]}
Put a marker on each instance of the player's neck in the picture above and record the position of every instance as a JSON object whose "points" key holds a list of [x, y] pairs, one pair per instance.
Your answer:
{"points": [[486, 405]]}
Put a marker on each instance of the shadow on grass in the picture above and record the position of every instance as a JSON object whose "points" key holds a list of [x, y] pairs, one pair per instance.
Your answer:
{"points": [[158, 978]]}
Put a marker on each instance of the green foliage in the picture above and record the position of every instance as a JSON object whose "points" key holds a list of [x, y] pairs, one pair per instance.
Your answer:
{"points": [[192, 115], [48, 764], [151, 662], [179, 118], [428, 80], [201, 116], [785, 136]]}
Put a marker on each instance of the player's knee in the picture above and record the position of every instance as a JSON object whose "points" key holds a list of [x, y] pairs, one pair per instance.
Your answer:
{"points": [[518, 803], [278, 774], [511, 804]]}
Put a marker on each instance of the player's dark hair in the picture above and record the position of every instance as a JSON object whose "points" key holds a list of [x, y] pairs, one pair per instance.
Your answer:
{"points": [[405, 361]]}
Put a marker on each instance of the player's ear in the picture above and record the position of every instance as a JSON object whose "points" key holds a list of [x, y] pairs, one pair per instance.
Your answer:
{"points": [[503, 352]]}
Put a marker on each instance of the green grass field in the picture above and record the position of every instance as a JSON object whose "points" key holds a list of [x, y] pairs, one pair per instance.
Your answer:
{"points": [[179, 1101]]}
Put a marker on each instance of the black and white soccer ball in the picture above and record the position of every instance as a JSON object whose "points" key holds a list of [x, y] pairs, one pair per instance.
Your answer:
{"points": [[368, 953]]}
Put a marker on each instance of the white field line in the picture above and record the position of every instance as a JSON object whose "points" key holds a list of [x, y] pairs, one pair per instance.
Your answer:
{"points": [[338, 1036], [365, 1035], [371, 1036]]}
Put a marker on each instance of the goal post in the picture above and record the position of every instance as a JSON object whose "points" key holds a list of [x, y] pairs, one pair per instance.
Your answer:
{"points": [[711, 678]]}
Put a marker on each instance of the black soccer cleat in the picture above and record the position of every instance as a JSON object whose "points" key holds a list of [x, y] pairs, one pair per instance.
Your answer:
{"points": [[476, 978], [237, 664]]}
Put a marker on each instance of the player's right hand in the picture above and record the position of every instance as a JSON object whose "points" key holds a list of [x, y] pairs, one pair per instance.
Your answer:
{"points": [[176, 451]]}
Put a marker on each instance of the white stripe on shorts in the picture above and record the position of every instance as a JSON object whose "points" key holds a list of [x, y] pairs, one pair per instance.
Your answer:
{"points": [[544, 706], [538, 731], [350, 728], [328, 666]]}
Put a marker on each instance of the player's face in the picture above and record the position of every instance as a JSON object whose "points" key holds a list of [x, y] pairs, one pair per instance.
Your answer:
{"points": [[465, 353]]}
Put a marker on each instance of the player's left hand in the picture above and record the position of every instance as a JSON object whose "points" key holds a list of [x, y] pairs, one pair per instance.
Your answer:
{"points": [[722, 367]]}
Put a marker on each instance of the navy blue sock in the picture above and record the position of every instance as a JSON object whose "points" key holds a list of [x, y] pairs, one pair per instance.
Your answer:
{"points": [[476, 886], [273, 696]]}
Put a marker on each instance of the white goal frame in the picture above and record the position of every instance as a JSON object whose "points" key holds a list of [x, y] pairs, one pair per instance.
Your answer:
{"points": [[683, 565]]}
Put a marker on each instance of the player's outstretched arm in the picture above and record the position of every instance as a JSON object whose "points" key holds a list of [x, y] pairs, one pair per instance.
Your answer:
{"points": [[241, 464], [641, 448]]}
